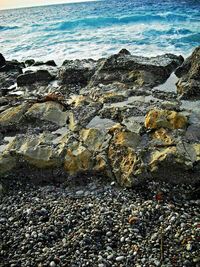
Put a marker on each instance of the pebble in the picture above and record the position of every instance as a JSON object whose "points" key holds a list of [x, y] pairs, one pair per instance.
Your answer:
{"points": [[52, 264], [120, 258], [96, 230]]}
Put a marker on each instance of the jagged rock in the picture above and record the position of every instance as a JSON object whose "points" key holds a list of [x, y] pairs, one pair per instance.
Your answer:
{"points": [[175, 164], [134, 124], [78, 160], [188, 85], [29, 62], [81, 115], [76, 72], [48, 111], [2, 60], [40, 76], [13, 115], [170, 119], [9, 72], [124, 161], [133, 70]]}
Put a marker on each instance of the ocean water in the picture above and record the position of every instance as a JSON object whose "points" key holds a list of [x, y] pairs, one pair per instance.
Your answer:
{"points": [[98, 29]]}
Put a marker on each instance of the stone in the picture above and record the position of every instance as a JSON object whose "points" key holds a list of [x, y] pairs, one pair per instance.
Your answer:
{"points": [[125, 164], [50, 111], [120, 258], [189, 73], [76, 72], [78, 159], [134, 70], [30, 77], [13, 115], [2, 60], [170, 119]]}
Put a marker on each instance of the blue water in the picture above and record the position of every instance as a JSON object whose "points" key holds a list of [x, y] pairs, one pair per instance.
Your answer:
{"points": [[98, 29]]}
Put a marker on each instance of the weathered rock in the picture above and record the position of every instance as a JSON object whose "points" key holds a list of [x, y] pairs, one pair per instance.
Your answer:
{"points": [[2, 60], [78, 160], [175, 163], [40, 76], [76, 72], [48, 111], [170, 119], [133, 70], [124, 161], [81, 115], [188, 85], [12, 116]]}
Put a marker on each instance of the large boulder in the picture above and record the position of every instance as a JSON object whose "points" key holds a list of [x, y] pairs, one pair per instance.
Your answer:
{"points": [[188, 86], [30, 77], [176, 164], [170, 119], [76, 72], [49, 111], [12, 116], [135, 70]]}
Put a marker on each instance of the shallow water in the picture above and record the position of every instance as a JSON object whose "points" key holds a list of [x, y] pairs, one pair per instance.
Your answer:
{"points": [[98, 29]]}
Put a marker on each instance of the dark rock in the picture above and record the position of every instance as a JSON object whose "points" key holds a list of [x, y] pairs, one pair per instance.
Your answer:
{"points": [[32, 77], [50, 63], [29, 62], [134, 70], [9, 73], [2, 60], [124, 52], [188, 85], [77, 72]]}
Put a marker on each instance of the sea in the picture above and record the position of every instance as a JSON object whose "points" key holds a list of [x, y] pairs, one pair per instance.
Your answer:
{"points": [[99, 29]]}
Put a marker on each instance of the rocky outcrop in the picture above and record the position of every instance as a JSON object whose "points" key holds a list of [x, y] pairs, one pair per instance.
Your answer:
{"points": [[101, 118], [133, 70], [188, 86], [76, 72]]}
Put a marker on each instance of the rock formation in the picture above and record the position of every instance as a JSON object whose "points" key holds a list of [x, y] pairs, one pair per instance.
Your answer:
{"points": [[103, 117]]}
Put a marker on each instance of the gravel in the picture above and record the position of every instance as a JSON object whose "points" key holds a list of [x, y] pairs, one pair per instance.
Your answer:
{"points": [[109, 226]]}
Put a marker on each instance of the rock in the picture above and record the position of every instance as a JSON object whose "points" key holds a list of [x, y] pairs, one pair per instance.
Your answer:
{"points": [[170, 119], [120, 258], [48, 111], [13, 115], [9, 73], [40, 76], [78, 160], [189, 74], [2, 60], [133, 70], [125, 164], [174, 164], [81, 115], [76, 72], [29, 62]]}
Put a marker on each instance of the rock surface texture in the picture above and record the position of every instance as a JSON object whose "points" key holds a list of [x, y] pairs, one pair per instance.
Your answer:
{"points": [[103, 118]]}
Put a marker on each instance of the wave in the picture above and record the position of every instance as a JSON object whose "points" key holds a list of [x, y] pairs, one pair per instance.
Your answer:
{"points": [[5, 28], [192, 38], [108, 21], [171, 31]]}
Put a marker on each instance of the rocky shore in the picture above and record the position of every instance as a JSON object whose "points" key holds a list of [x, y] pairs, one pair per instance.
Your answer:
{"points": [[120, 156]]}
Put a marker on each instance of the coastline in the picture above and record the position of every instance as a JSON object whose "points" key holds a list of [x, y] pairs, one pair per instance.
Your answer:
{"points": [[98, 166]]}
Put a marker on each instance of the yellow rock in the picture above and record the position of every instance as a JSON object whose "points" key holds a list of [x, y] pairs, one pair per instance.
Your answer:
{"points": [[94, 139], [197, 150], [77, 160], [159, 156], [156, 119], [38, 151], [164, 136], [122, 157], [12, 115]]}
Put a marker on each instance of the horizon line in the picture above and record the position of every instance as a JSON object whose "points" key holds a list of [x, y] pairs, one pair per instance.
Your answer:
{"points": [[53, 4]]}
